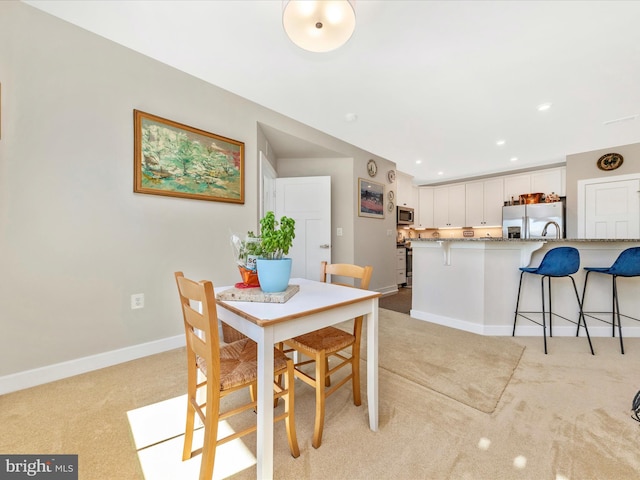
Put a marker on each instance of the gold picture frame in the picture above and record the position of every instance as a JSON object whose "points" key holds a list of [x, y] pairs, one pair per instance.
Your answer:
{"points": [[177, 160]]}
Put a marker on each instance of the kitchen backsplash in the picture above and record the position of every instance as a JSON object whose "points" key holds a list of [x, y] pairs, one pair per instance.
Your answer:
{"points": [[406, 234]]}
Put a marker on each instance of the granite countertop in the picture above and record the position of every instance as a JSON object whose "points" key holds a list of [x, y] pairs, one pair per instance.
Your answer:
{"points": [[500, 239]]}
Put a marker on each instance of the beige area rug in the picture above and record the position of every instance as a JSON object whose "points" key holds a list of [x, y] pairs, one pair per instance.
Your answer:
{"points": [[468, 368], [565, 415]]}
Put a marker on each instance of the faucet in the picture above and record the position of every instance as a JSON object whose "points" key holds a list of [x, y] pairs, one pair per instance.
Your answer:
{"points": [[544, 230]]}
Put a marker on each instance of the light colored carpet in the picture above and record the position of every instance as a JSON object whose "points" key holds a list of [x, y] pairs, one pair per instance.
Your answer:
{"points": [[471, 369], [563, 416]]}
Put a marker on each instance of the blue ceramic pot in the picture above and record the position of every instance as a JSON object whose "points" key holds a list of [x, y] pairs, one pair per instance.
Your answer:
{"points": [[274, 274]]}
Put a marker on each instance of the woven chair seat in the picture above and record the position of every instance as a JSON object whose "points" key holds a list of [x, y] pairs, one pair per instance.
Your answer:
{"points": [[239, 363], [329, 339]]}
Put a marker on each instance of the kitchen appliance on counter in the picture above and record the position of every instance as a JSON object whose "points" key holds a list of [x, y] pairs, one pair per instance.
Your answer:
{"points": [[536, 220], [404, 215]]}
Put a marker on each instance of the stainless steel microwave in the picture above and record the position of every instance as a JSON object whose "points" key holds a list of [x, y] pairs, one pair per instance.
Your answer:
{"points": [[404, 216]]}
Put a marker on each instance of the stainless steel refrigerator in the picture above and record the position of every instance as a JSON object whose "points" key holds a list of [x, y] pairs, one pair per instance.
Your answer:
{"points": [[536, 220]]}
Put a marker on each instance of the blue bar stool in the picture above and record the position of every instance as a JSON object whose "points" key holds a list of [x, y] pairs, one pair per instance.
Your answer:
{"points": [[626, 265], [557, 263]]}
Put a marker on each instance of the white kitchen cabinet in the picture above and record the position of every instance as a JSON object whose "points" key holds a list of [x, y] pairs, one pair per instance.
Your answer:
{"points": [[484, 201], [415, 203], [405, 190], [516, 185], [449, 206], [425, 218], [401, 269], [548, 181]]}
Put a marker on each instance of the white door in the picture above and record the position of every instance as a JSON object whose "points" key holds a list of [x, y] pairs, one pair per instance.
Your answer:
{"points": [[308, 201], [612, 209]]}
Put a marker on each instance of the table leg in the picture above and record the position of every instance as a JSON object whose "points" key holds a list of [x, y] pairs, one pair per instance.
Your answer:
{"points": [[265, 404], [372, 364]]}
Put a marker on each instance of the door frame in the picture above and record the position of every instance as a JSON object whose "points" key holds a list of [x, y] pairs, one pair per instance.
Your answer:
{"points": [[267, 173], [582, 187]]}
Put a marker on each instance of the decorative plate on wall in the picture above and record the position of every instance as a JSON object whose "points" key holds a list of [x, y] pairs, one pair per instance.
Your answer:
{"points": [[372, 168], [609, 161], [391, 196], [390, 207], [391, 176]]}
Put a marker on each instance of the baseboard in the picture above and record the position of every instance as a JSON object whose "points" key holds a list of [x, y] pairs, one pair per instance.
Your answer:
{"points": [[389, 290], [524, 329], [448, 322], [58, 371]]}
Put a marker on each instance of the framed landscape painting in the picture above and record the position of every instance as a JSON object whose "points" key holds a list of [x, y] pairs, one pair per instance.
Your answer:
{"points": [[371, 202], [180, 161]]}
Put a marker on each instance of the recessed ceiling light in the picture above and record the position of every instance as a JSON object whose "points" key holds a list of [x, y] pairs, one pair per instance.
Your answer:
{"points": [[543, 106], [501, 142], [418, 162], [351, 117], [514, 159], [440, 173]]}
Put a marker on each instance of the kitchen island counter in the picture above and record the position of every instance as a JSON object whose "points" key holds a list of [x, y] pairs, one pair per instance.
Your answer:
{"points": [[472, 284]]}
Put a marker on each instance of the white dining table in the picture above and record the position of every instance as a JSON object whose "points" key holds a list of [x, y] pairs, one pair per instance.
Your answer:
{"points": [[314, 306]]}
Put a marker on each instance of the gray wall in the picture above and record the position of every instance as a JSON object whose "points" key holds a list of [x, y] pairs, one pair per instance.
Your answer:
{"points": [[582, 166], [75, 241]]}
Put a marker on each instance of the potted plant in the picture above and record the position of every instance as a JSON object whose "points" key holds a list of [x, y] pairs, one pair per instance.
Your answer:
{"points": [[274, 270]]}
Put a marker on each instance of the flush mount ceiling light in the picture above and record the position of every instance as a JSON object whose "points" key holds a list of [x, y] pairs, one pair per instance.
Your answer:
{"points": [[543, 107], [320, 25]]}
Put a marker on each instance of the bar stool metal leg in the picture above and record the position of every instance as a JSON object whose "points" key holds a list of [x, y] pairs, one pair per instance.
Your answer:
{"points": [[544, 315], [617, 312], [581, 317]]}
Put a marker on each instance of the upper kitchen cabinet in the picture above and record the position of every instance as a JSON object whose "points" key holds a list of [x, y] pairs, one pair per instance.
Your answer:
{"points": [[449, 206], [405, 193], [551, 180], [425, 214], [516, 185], [484, 203]]}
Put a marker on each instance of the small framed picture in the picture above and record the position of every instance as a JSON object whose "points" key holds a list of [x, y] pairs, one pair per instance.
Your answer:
{"points": [[371, 195]]}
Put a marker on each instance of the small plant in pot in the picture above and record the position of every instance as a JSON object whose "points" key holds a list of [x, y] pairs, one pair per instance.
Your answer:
{"points": [[274, 270]]}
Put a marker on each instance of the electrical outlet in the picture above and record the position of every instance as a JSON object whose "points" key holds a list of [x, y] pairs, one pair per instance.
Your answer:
{"points": [[137, 301], [339, 231]]}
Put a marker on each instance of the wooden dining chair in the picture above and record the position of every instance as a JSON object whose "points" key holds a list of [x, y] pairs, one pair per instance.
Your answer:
{"points": [[328, 342], [225, 369]]}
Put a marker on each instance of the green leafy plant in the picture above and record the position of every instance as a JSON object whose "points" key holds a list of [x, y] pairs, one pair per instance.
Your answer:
{"points": [[276, 242]]}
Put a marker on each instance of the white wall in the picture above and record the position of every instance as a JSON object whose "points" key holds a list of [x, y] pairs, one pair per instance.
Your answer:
{"points": [[75, 241]]}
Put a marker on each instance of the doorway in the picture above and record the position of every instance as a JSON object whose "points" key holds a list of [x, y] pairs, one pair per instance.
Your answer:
{"points": [[308, 201]]}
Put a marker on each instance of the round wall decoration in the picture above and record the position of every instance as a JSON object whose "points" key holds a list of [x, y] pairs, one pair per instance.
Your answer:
{"points": [[372, 168], [609, 161], [390, 207], [391, 176], [391, 196]]}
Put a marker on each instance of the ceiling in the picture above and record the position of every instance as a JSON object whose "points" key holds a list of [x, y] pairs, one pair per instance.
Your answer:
{"points": [[435, 82]]}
